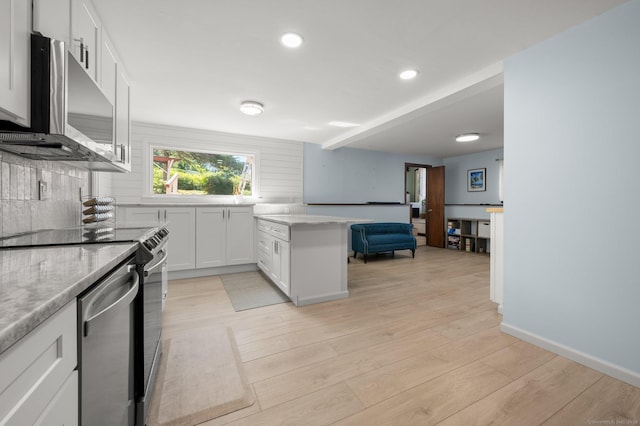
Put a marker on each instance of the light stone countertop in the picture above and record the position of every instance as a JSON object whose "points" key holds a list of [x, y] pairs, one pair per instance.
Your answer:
{"points": [[305, 219], [36, 282], [185, 204]]}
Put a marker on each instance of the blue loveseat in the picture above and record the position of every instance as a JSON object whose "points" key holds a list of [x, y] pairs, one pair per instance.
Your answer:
{"points": [[368, 238]]}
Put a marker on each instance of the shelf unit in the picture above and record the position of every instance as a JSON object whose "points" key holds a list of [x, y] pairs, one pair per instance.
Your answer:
{"points": [[468, 235]]}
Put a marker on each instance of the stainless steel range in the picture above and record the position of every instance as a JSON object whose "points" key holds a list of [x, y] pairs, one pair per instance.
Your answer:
{"points": [[148, 321], [116, 297]]}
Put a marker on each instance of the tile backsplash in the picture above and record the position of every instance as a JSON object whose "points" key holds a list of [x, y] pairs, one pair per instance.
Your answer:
{"points": [[20, 208]]}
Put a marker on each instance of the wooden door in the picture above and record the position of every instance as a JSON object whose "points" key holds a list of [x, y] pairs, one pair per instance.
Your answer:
{"points": [[435, 207]]}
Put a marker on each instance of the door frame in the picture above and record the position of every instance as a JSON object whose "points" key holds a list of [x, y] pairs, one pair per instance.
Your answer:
{"points": [[404, 196]]}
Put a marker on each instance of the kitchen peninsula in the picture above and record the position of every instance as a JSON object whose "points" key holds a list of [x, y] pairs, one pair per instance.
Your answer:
{"points": [[305, 255]]}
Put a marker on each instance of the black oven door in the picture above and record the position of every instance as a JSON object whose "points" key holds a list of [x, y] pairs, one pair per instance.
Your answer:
{"points": [[148, 332]]}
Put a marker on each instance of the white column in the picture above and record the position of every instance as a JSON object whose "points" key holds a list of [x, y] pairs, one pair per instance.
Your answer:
{"points": [[497, 257]]}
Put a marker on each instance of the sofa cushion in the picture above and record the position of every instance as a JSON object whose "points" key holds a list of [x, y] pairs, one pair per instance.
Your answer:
{"points": [[383, 239]]}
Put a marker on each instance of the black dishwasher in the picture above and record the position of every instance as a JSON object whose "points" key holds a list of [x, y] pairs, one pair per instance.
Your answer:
{"points": [[105, 352]]}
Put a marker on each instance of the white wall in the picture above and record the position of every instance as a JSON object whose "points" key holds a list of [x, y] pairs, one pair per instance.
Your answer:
{"points": [[572, 120], [279, 170]]}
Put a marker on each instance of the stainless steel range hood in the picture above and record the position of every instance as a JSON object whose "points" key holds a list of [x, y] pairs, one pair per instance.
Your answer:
{"points": [[71, 119]]}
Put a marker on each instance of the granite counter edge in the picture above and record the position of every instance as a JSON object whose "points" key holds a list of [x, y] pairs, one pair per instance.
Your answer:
{"points": [[29, 322]]}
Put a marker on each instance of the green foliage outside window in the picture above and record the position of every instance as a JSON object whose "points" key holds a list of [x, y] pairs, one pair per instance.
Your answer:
{"points": [[198, 173]]}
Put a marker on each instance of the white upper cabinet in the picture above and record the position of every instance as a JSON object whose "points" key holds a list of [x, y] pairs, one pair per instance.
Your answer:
{"points": [[86, 34], [52, 18], [123, 117], [77, 24], [109, 69], [115, 86], [15, 47]]}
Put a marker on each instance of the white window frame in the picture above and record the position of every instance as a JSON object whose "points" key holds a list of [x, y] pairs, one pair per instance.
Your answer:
{"points": [[150, 145]]}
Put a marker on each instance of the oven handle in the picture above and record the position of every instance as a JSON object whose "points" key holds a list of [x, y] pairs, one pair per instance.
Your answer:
{"points": [[125, 299], [149, 271]]}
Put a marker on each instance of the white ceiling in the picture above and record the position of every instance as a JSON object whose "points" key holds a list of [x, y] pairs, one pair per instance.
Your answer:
{"points": [[192, 62]]}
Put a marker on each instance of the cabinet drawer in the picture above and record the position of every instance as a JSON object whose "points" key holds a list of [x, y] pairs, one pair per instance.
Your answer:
{"points": [[263, 226], [280, 231], [33, 370], [264, 243], [264, 262], [484, 229]]}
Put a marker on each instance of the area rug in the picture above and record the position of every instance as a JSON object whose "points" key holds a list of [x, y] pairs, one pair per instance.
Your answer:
{"points": [[249, 290], [200, 378]]}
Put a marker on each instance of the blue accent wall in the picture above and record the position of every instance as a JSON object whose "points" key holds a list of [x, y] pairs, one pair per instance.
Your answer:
{"points": [[456, 184], [349, 175], [572, 199]]}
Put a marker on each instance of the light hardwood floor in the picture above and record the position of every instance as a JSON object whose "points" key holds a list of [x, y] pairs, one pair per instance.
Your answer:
{"points": [[417, 342]]}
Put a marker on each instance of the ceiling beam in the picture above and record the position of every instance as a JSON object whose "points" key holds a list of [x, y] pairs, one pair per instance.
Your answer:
{"points": [[470, 85]]}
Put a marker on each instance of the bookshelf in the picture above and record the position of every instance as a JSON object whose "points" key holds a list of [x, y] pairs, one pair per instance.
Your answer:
{"points": [[468, 235]]}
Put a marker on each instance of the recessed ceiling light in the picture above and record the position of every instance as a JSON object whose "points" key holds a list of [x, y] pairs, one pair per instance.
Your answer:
{"points": [[342, 124], [408, 74], [251, 108], [291, 40], [467, 137]]}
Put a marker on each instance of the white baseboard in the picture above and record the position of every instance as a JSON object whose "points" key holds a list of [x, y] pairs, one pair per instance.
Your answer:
{"points": [[620, 373], [205, 272], [303, 301]]}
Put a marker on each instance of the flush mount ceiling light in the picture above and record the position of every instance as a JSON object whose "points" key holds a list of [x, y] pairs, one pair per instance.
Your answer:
{"points": [[291, 40], [408, 74], [342, 124], [251, 108], [467, 137]]}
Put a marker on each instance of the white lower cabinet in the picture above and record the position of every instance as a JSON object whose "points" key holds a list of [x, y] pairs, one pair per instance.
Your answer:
{"points": [[239, 236], [140, 216], [281, 269], [38, 381], [181, 223], [224, 237], [181, 249], [63, 408], [306, 259], [199, 237], [210, 244], [274, 254]]}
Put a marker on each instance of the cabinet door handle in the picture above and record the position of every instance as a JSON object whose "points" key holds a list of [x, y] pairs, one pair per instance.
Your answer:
{"points": [[81, 51], [223, 213], [165, 215], [158, 215], [275, 247], [229, 215], [122, 153], [86, 64]]}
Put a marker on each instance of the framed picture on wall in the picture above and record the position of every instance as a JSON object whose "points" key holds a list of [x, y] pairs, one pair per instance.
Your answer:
{"points": [[476, 180]]}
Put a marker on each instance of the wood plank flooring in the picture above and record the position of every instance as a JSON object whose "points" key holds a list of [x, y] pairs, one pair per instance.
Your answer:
{"points": [[417, 342]]}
